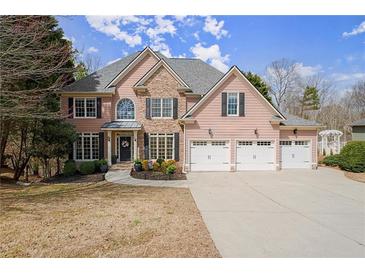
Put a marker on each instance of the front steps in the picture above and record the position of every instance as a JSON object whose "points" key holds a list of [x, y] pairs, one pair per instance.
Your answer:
{"points": [[122, 166]]}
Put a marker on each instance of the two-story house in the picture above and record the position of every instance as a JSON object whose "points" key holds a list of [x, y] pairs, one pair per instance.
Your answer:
{"points": [[148, 106]]}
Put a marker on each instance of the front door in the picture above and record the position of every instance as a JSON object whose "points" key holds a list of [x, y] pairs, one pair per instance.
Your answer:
{"points": [[125, 148]]}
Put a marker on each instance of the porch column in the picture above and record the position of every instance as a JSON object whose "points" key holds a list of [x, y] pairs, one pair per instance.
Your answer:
{"points": [[109, 132], [135, 144]]}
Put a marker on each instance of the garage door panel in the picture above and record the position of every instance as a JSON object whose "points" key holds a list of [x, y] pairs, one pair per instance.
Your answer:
{"points": [[209, 156], [295, 154], [255, 155]]}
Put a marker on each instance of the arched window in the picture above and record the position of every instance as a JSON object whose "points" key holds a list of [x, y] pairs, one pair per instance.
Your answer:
{"points": [[125, 109]]}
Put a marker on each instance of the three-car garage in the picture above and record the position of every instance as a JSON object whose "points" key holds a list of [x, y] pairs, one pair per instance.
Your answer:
{"points": [[241, 155]]}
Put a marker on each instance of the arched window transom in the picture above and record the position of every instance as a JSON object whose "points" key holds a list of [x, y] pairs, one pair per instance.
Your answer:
{"points": [[125, 109]]}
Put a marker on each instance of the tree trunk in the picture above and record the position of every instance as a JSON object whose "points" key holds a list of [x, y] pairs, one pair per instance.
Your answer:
{"points": [[4, 135]]}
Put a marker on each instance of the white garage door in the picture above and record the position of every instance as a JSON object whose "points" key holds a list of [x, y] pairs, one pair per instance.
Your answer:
{"points": [[209, 156], [295, 154], [255, 155]]}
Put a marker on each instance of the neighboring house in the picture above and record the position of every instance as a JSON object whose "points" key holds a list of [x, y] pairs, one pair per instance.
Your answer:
{"points": [[358, 130], [148, 106]]}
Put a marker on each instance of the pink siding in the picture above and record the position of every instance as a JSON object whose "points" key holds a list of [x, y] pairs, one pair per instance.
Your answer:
{"points": [[191, 101], [310, 135], [124, 87], [257, 116]]}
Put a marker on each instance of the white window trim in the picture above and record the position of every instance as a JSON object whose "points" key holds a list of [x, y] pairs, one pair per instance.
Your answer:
{"points": [[85, 117], [157, 145], [238, 102], [161, 107], [116, 110], [92, 134]]}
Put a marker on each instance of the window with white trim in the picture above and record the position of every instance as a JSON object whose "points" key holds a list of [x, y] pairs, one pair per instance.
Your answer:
{"points": [[285, 143], [87, 146], [301, 143], [161, 146], [245, 143], [232, 104], [85, 107], [264, 143], [161, 107], [125, 109]]}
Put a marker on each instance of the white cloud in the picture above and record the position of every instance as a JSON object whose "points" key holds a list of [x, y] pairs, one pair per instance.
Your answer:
{"points": [[71, 39], [196, 35], [212, 55], [214, 27], [92, 50], [339, 77], [110, 25], [355, 31], [113, 61], [125, 20], [306, 71]]}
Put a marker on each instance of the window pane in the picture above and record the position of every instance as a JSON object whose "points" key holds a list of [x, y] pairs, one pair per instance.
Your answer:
{"points": [[79, 107], [125, 109], [161, 146], [170, 147], [153, 147], [167, 107], [95, 147], [87, 146], [232, 103], [79, 148], [156, 108], [90, 108]]}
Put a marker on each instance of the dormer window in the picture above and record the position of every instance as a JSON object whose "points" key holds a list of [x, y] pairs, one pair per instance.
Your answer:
{"points": [[125, 109]]}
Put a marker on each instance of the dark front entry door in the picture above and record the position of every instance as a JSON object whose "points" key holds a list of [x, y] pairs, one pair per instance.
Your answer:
{"points": [[125, 148]]}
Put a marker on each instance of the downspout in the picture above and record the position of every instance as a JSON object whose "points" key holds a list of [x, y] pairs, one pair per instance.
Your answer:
{"points": [[184, 161]]}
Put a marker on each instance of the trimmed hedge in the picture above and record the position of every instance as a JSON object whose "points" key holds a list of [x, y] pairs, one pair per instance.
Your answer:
{"points": [[69, 168], [351, 158], [87, 168]]}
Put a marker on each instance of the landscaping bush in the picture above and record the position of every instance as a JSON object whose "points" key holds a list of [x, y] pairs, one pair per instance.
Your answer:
{"points": [[332, 160], [353, 156], [145, 165], [69, 168], [87, 168], [156, 166], [97, 165], [163, 167], [170, 162], [160, 161], [171, 169]]}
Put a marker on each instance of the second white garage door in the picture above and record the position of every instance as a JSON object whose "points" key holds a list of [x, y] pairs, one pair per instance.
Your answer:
{"points": [[209, 155], [295, 154], [255, 155]]}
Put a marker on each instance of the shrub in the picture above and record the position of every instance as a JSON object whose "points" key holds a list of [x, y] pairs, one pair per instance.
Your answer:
{"points": [[156, 166], [353, 156], [103, 162], [87, 168], [145, 165], [170, 162], [163, 167], [160, 161], [137, 162], [97, 165], [69, 168], [332, 160], [171, 169]]}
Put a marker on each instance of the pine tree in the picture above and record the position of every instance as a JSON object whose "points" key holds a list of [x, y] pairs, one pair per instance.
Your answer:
{"points": [[259, 84], [310, 100]]}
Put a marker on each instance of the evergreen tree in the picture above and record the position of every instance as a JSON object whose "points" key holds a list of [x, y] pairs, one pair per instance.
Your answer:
{"points": [[310, 100], [259, 84]]}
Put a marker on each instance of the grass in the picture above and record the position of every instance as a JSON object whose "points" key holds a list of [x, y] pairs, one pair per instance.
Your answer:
{"points": [[101, 220]]}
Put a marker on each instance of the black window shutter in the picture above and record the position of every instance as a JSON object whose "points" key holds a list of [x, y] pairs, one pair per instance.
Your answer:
{"points": [[98, 107], [177, 145], [148, 108], [71, 152], [101, 145], [70, 107], [176, 108], [146, 146], [224, 104], [242, 104]]}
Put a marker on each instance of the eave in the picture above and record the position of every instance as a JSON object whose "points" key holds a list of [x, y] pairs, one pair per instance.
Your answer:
{"points": [[86, 93]]}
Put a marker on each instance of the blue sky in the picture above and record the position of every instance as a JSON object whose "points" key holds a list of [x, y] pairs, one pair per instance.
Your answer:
{"points": [[333, 46]]}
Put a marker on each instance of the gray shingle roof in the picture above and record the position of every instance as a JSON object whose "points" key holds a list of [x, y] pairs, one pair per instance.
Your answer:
{"points": [[359, 123], [122, 124], [197, 74], [98, 80], [292, 120]]}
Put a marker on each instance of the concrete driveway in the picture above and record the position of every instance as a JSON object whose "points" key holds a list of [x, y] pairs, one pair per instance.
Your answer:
{"points": [[290, 213]]}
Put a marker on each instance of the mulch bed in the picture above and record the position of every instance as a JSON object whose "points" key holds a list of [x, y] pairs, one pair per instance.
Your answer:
{"points": [[77, 178], [155, 175], [360, 177]]}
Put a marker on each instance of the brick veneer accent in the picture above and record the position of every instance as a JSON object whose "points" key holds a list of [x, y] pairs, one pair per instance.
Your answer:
{"points": [[161, 85]]}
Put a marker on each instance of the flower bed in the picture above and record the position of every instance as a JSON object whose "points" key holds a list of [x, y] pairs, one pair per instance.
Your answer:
{"points": [[157, 170], [157, 175]]}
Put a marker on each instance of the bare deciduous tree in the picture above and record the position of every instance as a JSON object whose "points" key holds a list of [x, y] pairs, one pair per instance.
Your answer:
{"points": [[281, 76]]}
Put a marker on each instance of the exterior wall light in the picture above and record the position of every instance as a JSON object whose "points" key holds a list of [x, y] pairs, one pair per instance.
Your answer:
{"points": [[295, 131]]}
